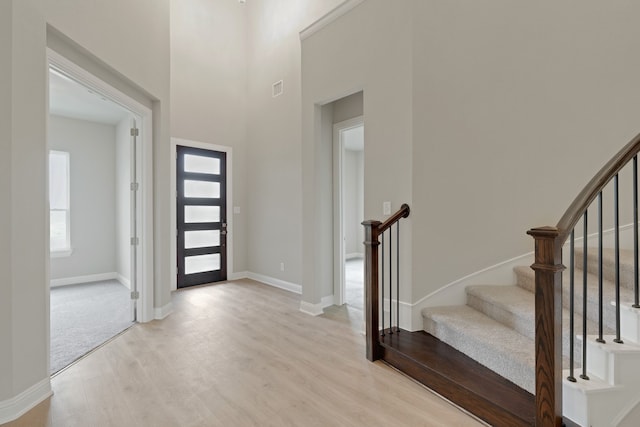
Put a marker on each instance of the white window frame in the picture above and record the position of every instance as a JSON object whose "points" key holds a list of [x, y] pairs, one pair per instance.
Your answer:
{"points": [[67, 251]]}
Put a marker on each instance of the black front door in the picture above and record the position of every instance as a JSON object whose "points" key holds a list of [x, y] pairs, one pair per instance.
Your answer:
{"points": [[202, 216]]}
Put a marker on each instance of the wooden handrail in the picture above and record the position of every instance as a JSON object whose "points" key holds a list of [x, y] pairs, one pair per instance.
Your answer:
{"points": [[595, 186], [403, 212], [548, 269], [373, 230]]}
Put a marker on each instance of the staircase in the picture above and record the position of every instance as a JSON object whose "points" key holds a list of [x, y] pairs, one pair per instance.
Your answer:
{"points": [[496, 328], [551, 350]]}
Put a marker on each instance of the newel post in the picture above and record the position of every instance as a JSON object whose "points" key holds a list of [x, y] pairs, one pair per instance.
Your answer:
{"points": [[548, 317], [372, 299]]}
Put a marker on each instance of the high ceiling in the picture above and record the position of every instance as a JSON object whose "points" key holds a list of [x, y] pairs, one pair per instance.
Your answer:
{"points": [[70, 99]]}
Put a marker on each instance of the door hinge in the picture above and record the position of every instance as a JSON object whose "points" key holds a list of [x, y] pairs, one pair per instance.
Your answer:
{"points": [[135, 295], [135, 132], [134, 186], [134, 241]]}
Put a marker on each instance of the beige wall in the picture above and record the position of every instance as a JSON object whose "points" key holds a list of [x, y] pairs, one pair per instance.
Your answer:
{"points": [[23, 285], [134, 59], [138, 52], [516, 106], [338, 61], [464, 102], [348, 107], [91, 147], [209, 90], [142, 57], [273, 132], [6, 142]]}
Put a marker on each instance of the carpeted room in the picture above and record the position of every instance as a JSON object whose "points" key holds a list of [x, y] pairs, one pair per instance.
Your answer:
{"points": [[89, 196]]}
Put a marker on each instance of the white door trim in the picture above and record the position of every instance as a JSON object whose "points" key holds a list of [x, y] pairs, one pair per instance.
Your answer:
{"points": [[144, 176], [338, 202], [173, 273]]}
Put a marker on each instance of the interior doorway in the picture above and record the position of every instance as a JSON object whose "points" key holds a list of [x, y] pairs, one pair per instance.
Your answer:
{"points": [[97, 274], [349, 212]]}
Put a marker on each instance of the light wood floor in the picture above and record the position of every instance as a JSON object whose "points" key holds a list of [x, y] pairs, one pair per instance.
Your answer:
{"points": [[239, 354]]}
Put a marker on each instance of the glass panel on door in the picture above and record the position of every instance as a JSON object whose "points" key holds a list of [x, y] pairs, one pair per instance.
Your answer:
{"points": [[201, 239], [201, 164], [195, 214]]}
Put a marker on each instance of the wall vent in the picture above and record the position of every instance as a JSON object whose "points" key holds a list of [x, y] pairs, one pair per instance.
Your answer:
{"points": [[277, 89]]}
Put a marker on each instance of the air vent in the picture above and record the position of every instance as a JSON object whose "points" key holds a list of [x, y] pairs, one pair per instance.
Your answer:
{"points": [[277, 89]]}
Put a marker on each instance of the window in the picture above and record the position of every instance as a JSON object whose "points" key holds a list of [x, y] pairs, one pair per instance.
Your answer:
{"points": [[60, 240]]}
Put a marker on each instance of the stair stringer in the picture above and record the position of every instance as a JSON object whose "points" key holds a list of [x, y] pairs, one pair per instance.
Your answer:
{"points": [[613, 389]]}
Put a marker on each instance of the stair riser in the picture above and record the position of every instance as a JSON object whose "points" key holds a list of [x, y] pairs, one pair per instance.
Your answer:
{"points": [[616, 364], [627, 277], [590, 409], [630, 324], [523, 325], [526, 280], [510, 368]]}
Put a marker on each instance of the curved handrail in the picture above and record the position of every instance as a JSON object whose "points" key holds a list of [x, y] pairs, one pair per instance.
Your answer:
{"points": [[588, 194], [403, 212]]}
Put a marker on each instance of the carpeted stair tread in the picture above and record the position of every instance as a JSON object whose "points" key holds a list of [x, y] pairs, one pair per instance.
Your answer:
{"points": [[608, 264], [526, 277], [492, 344], [512, 306]]}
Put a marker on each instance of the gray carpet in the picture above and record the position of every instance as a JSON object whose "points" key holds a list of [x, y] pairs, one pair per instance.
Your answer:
{"points": [[85, 316]]}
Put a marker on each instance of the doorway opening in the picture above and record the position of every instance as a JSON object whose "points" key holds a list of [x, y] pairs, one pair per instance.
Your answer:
{"points": [[349, 212], [97, 197]]}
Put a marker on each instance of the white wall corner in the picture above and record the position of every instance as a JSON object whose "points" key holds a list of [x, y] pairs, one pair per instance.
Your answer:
{"points": [[124, 281], [160, 313], [311, 309], [17, 406], [238, 275], [276, 283], [337, 12], [316, 309], [327, 301], [406, 319]]}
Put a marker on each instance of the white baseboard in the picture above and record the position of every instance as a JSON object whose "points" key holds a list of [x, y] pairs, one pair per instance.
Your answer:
{"points": [[17, 406], [316, 309], [355, 255], [277, 283], [83, 279], [160, 313], [238, 275], [124, 281], [311, 309], [406, 318]]}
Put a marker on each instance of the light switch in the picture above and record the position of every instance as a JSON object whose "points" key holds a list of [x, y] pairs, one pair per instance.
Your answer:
{"points": [[386, 208]]}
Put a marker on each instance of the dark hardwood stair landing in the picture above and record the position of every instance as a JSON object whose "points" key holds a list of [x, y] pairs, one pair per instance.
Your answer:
{"points": [[459, 378]]}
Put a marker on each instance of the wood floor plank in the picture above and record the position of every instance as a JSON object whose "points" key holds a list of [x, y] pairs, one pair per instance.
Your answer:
{"points": [[239, 354], [459, 378]]}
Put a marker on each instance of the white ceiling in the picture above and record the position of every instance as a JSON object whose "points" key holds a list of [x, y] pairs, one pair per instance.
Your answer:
{"points": [[353, 138], [68, 98]]}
